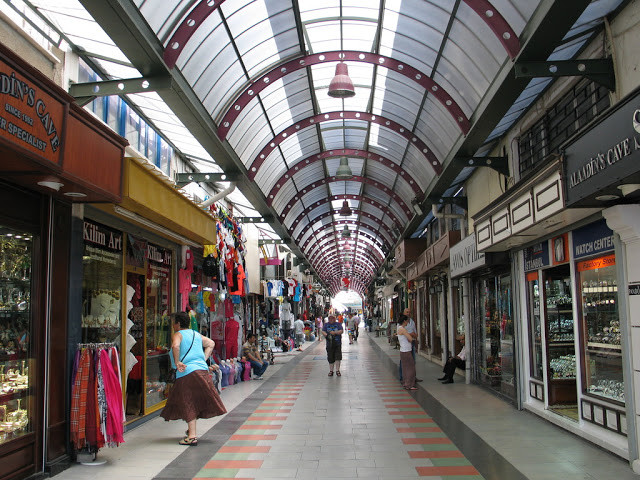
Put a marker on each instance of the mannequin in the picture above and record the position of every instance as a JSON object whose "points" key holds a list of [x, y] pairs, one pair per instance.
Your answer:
{"points": [[231, 330], [246, 373], [285, 319]]}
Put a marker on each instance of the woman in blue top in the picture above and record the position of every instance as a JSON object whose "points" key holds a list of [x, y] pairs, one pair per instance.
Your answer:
{"points": [[193, 395]]}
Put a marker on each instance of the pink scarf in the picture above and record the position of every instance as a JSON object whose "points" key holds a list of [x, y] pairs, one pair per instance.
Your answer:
{"points": [[113, 392]]}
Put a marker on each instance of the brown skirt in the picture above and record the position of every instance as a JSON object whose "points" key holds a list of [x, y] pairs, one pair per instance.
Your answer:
{"points": [[408, 370], [193, 396]]}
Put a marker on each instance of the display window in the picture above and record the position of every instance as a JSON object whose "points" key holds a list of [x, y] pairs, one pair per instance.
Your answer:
{"points": [[101, 284], [561, 354], [496, 362], [457, 295], [158, 328], [17, 360], [600, 326], [535, 326]]}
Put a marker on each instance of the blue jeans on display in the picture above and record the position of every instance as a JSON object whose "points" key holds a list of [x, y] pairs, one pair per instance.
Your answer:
{"points": [[258, 368], [413, 354]]}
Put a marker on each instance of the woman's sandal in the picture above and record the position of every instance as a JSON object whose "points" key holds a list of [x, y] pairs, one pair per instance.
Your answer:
{"points": [[338, 373], [331, 374], [192, 442]]}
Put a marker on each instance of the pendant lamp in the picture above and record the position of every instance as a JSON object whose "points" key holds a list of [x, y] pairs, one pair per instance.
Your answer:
{"points": [[345, 232], [341, 86], [345, 211], [344, 171]]}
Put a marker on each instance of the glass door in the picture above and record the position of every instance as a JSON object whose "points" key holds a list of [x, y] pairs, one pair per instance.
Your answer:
{"points": [[561, 355]]}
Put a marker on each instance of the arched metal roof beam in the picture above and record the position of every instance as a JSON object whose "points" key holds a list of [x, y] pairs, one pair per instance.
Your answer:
{"points": [[330, 237], [385, 210], [343, 115], [345, 153], [386, 242], [279, 71], [368, 181], [327, 237]]}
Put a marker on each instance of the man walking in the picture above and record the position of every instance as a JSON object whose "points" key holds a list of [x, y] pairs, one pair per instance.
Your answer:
{"points": [[298, 327], [332, 331]]}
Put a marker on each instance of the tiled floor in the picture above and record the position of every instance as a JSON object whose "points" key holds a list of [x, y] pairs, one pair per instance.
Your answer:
{"points": [[300, 423]]}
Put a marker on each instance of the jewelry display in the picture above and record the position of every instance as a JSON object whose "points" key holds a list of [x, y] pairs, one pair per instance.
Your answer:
{"points": [[602, 336], [15, 333], [563, 366]]}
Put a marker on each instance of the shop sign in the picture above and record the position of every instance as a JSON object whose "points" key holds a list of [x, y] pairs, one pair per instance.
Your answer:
{"points": [[102, 236], [536, 256], [607, 152], [29, 118], [596, 263], [159, 255], [464, 256], [592, 239], [634, 289]]}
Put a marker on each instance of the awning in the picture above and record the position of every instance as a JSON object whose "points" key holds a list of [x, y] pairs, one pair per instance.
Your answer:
{"points": [[151, 201]]}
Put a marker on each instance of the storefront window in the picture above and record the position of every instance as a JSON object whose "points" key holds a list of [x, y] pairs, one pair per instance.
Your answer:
{"points": [[158, 325], [457, 293], [101, 284], [497, 361], [535, 327], [16, 354], [561, 355], [601, 328]]}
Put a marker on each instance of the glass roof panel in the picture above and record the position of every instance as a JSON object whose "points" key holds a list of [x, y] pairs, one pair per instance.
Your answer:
{"points": [[312, 9], [358, 35], [323, 36], [162, 18]]}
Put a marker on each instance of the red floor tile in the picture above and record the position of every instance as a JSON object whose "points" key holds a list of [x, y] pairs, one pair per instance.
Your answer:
{"points": [[436, 454], [233, 464], [425, 441], [245, 449], [412, 420], [253, 437], [408, 412], [260, 427], [259, 418], [273, 410], [444, 471], [418, 429]]}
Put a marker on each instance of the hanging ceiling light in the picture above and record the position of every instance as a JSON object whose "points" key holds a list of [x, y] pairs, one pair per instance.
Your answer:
{"points": [[345, 232], [345, 211], [344, 171], [341, 86]]}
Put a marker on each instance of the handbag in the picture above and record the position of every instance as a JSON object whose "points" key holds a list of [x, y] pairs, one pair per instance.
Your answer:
{"points": [[171, 377]]}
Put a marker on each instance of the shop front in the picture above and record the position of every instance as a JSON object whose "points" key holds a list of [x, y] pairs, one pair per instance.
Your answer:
{"points": [[45, 140], [141, 260], [440, 333]]}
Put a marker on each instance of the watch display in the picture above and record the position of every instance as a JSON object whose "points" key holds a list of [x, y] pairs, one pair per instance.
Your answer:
{"points": [[601, 328]]}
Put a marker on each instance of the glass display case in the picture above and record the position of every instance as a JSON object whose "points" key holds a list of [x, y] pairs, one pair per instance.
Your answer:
{"points": [[601, 328], [16, 355], [561, 355], [535, 325]]}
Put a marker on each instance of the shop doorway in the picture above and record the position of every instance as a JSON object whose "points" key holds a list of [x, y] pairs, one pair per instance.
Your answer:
{"points": [[560, 342], [423, 328], [136, 297], [436, 350]]}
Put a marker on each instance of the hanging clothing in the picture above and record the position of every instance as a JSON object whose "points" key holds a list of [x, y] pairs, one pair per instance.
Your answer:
{"points": [[231, 329]]}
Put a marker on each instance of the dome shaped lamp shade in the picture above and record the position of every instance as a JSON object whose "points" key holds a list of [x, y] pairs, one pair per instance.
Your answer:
{"points": [[341, 86], [345, 232], [344, 171], [345, 211]]}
